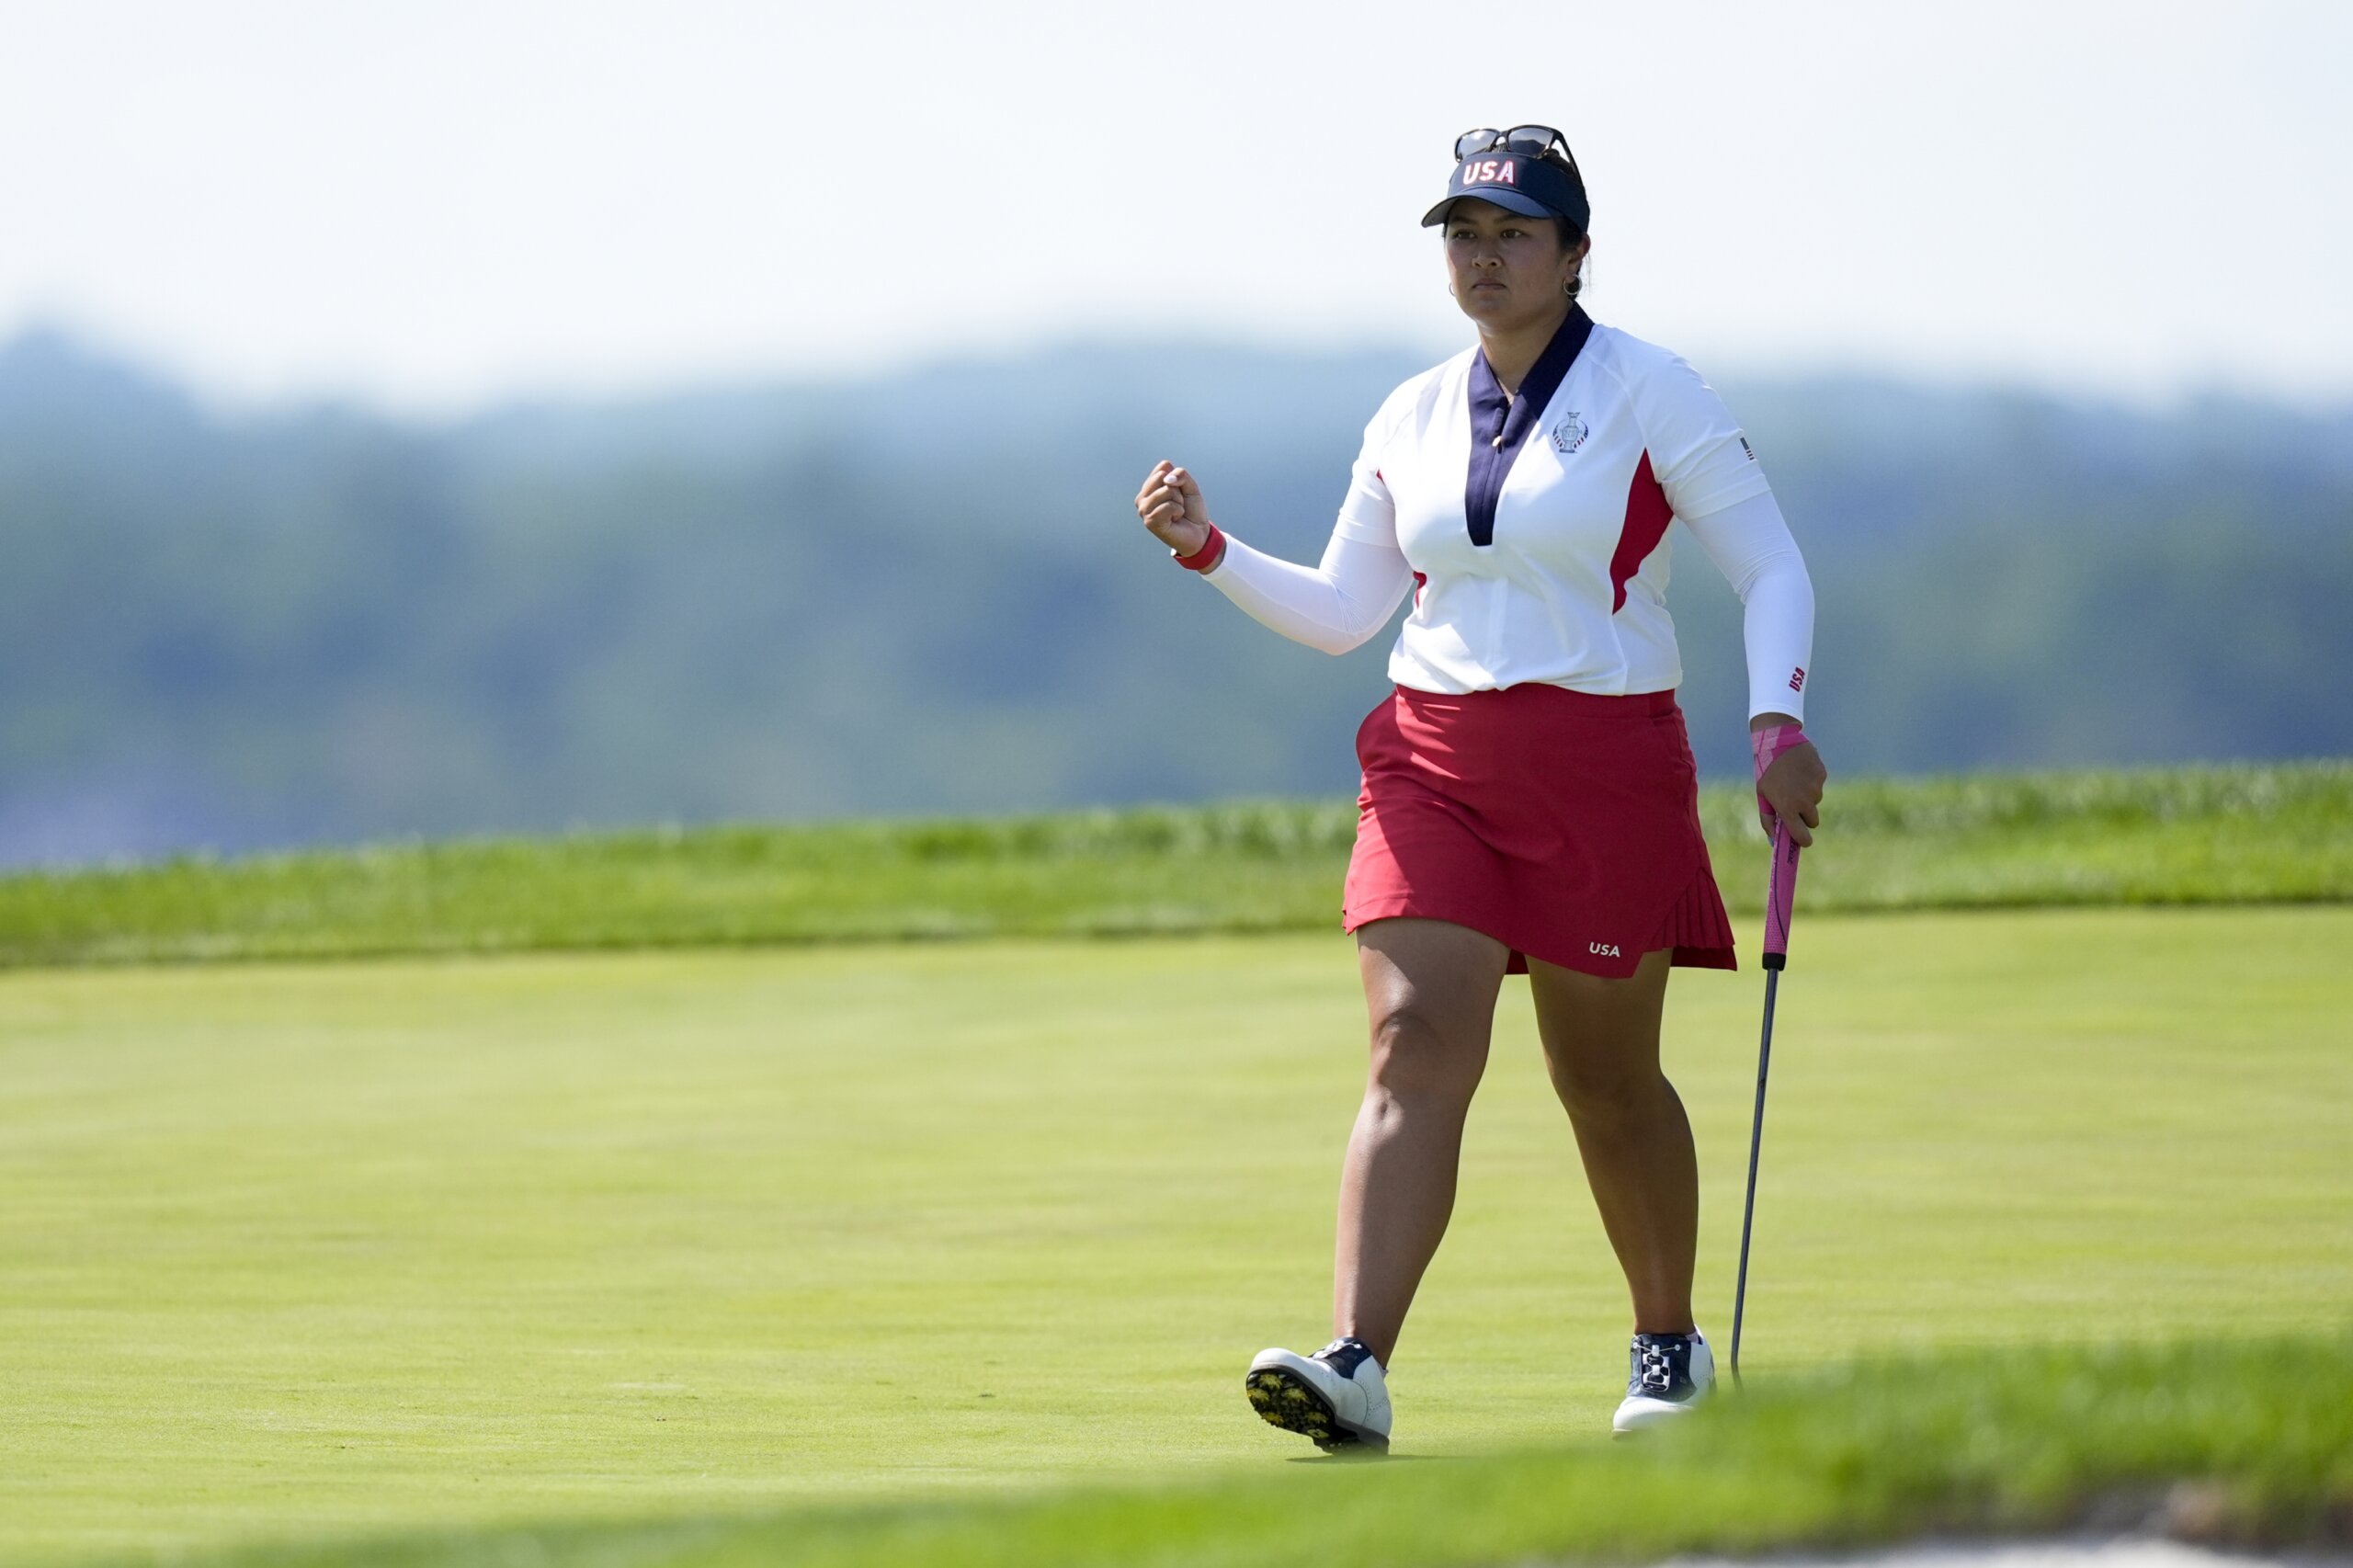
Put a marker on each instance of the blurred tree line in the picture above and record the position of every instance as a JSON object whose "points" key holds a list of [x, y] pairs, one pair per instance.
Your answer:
{"points": [[926, 592]]}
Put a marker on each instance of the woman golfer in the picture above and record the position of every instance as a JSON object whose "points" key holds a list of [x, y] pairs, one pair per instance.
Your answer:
{"points": [[1528, 800]]}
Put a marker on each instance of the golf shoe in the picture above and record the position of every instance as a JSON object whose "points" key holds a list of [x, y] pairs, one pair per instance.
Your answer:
{"points": [[1671, 1372], [1336, 1397]]}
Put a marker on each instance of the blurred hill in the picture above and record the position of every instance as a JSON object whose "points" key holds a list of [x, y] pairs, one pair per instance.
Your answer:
{"points": [[925, 592]]}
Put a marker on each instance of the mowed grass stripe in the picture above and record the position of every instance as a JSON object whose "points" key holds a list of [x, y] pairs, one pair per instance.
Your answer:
{"points": [[313, 1251], [2224, 834]]}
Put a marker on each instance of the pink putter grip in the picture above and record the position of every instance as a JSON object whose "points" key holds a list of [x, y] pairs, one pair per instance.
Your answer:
{"points": [[1782, 893]]}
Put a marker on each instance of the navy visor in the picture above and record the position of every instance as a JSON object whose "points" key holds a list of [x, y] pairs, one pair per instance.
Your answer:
{"points": [[1529, 187]]}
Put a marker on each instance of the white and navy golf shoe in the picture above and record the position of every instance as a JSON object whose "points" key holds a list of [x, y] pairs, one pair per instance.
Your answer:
{"points": [[1336, 1397], [1671, 1372]]}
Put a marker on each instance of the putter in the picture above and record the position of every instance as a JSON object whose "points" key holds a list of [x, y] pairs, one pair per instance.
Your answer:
{"points": [[1781, 899]]}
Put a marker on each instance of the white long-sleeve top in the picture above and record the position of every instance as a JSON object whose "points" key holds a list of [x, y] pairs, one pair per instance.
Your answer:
{"points": [[1573, 495]]}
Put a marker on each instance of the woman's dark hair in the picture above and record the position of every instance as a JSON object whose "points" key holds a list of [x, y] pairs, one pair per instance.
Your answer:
{"points": [[1570, 233]]}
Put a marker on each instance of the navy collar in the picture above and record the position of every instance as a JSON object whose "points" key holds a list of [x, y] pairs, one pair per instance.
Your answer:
{"points": [[1499, 425]]}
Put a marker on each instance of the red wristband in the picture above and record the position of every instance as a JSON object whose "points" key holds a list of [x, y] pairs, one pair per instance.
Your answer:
{"points": [[1212, 550]]}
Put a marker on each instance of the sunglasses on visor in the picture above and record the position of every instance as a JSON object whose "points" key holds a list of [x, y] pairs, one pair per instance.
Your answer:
{"points": [[1529, 140]]}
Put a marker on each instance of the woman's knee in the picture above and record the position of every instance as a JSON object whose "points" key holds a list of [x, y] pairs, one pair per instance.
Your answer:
{"points": [[1418, 1054], [1602, 1092]]}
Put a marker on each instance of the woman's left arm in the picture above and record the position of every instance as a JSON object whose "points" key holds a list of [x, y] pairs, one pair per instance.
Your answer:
{"points": [[1751, 545]]}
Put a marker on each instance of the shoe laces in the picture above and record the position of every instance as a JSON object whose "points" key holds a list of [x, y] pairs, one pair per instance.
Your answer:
{"points": [[1344, 1355], [1657, 1363]]}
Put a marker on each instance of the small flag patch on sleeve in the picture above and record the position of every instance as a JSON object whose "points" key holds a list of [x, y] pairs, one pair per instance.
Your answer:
{"points": [[1749, 449]]}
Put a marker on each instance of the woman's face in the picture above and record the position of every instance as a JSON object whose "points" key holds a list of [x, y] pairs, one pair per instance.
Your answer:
{"points": [[1508, 271]]}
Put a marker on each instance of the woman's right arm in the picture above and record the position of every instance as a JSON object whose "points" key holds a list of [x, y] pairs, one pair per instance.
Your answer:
{"points": [[1334, 606], [1344, 598]]}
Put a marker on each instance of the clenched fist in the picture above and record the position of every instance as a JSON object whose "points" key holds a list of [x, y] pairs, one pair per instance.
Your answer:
{"points": [[1170, 506]]}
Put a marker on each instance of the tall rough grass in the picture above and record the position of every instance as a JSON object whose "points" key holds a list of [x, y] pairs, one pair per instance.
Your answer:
{"points": [[2244, 833]]}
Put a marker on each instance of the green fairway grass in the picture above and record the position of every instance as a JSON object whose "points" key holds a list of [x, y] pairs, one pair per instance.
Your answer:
{"points": [[314, 1251], [2245, 833], [2243, 1443]]}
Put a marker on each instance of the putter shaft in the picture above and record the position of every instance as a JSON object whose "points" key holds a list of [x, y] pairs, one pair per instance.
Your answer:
{"points": [[1755, 1142]]}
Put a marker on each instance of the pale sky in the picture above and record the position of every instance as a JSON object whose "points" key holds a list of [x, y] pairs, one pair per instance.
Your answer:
{"points": [[432, 206]]}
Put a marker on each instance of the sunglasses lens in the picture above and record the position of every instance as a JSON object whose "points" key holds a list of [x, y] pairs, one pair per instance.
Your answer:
{"points": [[1534, 141], [1471, 141]]}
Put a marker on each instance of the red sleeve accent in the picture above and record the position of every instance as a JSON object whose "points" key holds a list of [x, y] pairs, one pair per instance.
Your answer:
{"points": [[1421, 581], [1647, 515], [1212, 550]]}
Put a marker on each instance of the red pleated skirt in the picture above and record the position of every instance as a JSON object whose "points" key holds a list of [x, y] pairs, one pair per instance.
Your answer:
{"points": [[1562, 824]]}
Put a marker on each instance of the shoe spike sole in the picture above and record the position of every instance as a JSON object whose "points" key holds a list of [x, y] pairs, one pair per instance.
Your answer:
{"points": [[1285, 1400]]}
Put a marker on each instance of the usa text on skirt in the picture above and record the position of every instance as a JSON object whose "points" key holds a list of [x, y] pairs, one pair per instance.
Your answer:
{"points": [[1562, 824]]}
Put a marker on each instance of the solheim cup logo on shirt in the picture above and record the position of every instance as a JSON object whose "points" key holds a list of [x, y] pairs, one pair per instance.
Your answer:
{"points": [[1570, 433]]}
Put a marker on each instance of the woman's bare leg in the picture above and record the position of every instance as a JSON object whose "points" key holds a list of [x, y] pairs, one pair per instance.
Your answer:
{"points": [[1601, 1045], [1430, 989]]}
